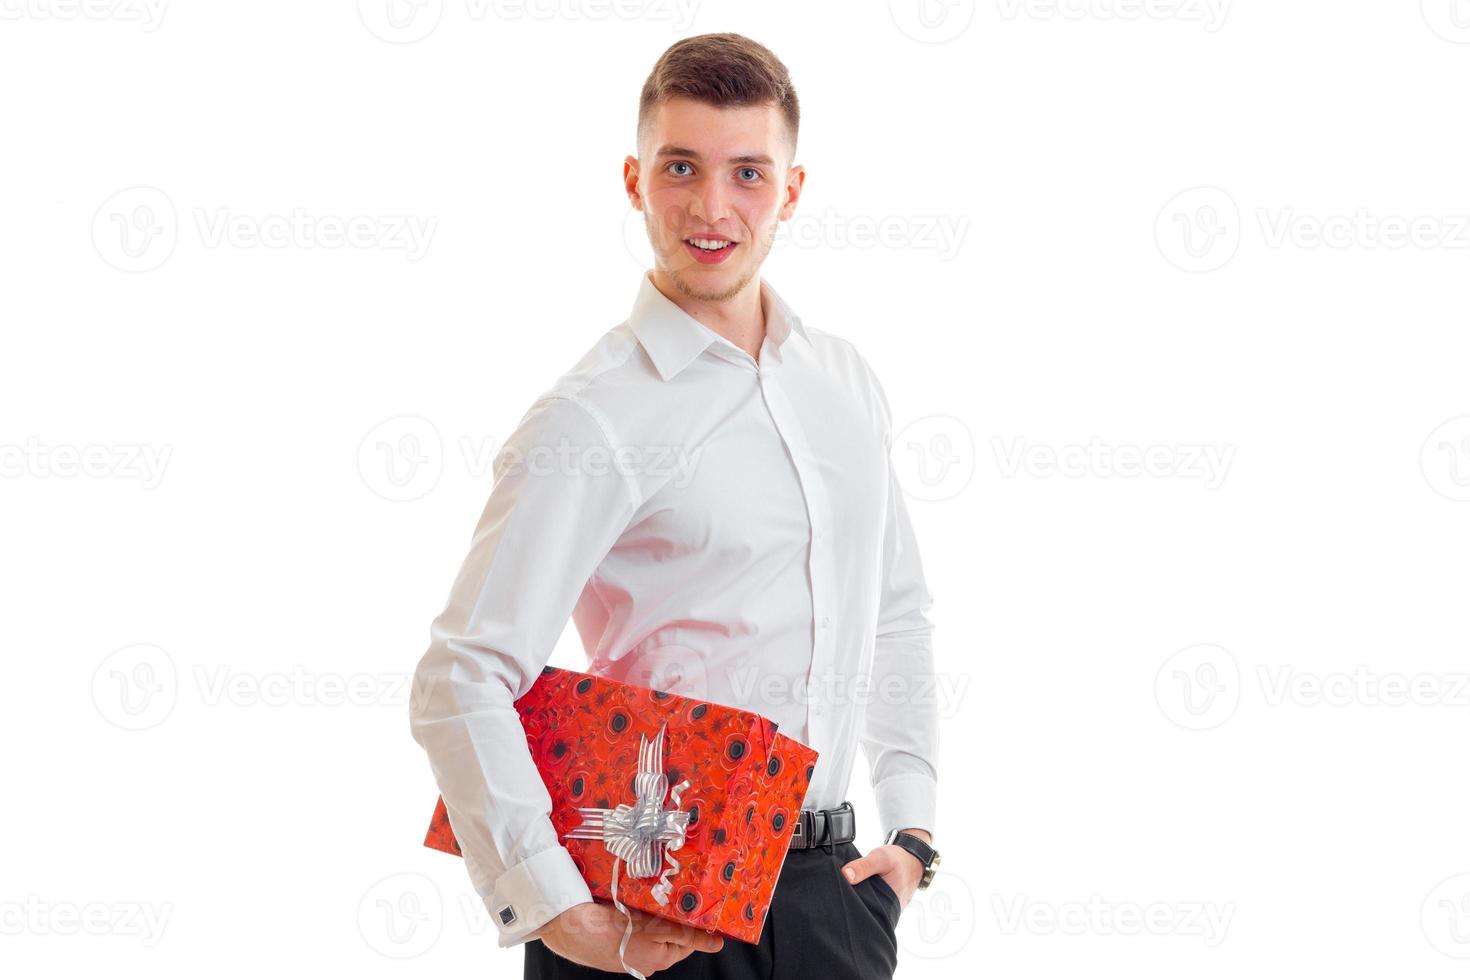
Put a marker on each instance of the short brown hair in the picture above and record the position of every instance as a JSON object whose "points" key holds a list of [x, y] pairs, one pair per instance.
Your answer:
{"points": [[720, 70]]}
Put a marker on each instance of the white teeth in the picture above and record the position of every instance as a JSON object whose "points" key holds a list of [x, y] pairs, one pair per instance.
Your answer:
{"points": [[708, 244]]}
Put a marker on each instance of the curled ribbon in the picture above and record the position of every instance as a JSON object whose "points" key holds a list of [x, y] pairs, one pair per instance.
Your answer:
{"points": [[643, 835]]}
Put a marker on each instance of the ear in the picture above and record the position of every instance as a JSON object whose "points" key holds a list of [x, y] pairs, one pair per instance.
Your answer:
{"points": [[630, 182], [795, 178]]}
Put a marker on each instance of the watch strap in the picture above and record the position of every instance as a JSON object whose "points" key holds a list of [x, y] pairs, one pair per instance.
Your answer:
{"points": [[915, 845]]}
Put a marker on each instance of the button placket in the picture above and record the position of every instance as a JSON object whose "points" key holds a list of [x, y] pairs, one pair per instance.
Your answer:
{"points": [[819, 573]]}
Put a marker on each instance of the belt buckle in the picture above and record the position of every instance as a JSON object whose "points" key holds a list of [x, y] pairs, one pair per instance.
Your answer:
{"points": [[799, 833]]}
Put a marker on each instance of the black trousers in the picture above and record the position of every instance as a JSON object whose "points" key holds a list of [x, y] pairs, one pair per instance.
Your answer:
{"points": [[819, 926]]}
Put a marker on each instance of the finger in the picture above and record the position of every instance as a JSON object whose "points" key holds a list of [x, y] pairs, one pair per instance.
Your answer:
{"points": [[859, 868], [686, 936], [662, 930], [679, 934], [650, 955], [707, 942]]}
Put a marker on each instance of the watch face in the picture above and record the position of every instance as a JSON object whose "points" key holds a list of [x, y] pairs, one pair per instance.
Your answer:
{"points": [[929, 872]]}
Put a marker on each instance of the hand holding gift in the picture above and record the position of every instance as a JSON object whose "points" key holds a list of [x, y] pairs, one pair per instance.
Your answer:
{"points": [[593, 933], [669, 806]]}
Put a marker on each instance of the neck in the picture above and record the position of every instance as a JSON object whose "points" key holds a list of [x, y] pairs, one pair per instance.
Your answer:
{"points": [[740, 318]]}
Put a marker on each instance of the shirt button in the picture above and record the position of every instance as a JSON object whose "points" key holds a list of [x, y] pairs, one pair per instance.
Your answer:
{"points": [[826, 621]]}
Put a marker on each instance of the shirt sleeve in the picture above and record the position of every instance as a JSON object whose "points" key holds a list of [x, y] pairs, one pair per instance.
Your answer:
{"points": [[557, 506], [900, 734]]}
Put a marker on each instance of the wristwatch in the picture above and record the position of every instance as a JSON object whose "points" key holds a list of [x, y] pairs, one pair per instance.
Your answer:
{"points": [[916, 846]]}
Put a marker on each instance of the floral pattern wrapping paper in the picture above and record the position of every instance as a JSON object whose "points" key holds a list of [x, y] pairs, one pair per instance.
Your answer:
{"points": [[747, 784]]}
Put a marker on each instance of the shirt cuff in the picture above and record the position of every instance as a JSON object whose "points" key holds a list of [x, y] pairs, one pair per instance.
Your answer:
{"points": [[907, 801], [534, 892]]}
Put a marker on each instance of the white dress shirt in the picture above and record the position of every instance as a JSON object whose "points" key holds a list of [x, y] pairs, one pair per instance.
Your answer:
{"points": [[717, 526]]}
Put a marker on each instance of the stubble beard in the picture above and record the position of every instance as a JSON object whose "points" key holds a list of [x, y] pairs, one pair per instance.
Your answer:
{"points": [[691, 291]]}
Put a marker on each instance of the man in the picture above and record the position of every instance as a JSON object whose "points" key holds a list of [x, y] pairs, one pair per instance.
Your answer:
{"points": [[708, 494]]}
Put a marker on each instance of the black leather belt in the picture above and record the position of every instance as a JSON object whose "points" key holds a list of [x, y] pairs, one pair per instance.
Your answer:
{"points": [[817, 828]]}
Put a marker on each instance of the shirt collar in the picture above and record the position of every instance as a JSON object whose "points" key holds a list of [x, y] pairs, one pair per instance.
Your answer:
{"points": [[673, 338]]}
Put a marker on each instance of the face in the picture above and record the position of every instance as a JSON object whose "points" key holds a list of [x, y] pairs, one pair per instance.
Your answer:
{"points": [[720, 177]]}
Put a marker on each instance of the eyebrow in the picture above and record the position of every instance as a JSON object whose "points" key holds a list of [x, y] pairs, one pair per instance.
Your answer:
{"points": [[681, 151]]}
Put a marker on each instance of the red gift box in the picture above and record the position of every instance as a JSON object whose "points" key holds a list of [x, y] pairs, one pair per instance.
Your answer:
{"points": [[745, 787]]}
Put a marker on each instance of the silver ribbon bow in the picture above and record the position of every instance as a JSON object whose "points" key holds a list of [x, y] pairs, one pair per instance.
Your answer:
{"points": [[642, 836]]}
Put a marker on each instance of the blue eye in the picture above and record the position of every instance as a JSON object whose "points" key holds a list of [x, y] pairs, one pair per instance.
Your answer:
{"points": [[678, 163], [755, 174]]}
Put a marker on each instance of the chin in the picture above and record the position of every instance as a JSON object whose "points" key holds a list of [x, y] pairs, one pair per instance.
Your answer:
{"points": [[710, 285]]}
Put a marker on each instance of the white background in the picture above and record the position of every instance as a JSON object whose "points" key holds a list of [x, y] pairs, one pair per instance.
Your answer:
{"points": [[1209, 719]]}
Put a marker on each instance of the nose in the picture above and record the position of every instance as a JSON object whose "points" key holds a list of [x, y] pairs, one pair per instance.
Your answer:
{"points": [[708, 202]]}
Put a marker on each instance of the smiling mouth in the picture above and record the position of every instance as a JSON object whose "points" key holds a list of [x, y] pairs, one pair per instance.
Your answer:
{"points": [[710, 244], [709, 251]]}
